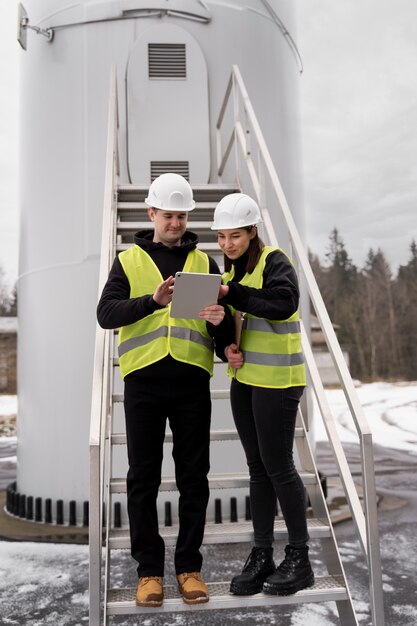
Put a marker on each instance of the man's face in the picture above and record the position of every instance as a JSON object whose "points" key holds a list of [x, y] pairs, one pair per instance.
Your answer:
{"points": [[169, 226]]}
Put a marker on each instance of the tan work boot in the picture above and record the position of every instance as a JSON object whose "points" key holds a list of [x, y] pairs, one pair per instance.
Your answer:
{"points": [[192, 588], [150, 591]]}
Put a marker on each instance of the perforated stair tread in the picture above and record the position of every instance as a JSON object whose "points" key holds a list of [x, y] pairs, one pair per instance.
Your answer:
{"points": [[226, 532], [237, 480], [204, 246], [119, 439], [325, 589], [201, 192]]}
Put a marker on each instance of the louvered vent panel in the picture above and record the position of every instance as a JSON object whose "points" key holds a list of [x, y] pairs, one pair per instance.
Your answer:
{"points": [[167, 60], [177, 167]]}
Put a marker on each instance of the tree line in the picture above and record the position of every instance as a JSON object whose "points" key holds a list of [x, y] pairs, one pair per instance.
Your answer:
{"points": [[376, 312]]}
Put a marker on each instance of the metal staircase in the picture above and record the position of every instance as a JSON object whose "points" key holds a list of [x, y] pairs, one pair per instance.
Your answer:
{"points": [[124, 214]]}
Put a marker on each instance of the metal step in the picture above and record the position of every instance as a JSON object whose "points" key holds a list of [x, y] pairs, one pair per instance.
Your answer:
{"points": [[226, 532], [237, 480], [129, 207], [325, 589], [201, 193], [119, 439], [136, 212], [197, 225], [204, 246], [216, 394], [127, 229]]}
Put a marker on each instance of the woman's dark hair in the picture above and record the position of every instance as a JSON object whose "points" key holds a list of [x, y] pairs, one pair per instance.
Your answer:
{"points": [[256, 246]]}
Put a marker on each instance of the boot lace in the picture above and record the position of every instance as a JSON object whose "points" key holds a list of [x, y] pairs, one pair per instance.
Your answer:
{"points": [[252, 561], [146, 579], [286, 566], [194, 575]]}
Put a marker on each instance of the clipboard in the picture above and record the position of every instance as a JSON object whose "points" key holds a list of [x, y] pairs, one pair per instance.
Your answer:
{"points": [[193, 292], [239, 318]]}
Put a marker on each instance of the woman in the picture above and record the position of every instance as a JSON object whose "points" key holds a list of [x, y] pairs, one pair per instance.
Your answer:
{"points": [[268, 379]]}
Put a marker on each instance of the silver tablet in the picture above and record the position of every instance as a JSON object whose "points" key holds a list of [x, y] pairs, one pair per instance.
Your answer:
{"points": [[193, 292]]}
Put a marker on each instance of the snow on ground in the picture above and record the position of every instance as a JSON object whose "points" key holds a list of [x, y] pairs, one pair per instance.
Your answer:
{"points": [[8, 405], [8, 440], [36, 579], [390, 410]]}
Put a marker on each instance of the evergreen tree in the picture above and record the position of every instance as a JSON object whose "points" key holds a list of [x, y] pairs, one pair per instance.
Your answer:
{"points": [[379, 317], [405, 294], [341, 275], [339, 286]]}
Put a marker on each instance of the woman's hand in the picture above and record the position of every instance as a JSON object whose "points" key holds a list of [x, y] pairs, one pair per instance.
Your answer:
{"points": [[163, 292], [223, 291], [213, 314], [234, 356]]}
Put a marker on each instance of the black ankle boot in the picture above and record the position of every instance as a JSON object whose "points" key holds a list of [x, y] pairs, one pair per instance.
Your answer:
{"points": [[293, 574], [259, 565]]}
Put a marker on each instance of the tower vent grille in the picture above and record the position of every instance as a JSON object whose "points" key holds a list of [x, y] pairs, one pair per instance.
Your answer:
{"points": [[167, 60], [177, 167]]}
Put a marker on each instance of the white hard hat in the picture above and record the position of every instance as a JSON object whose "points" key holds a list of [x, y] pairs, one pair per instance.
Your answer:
{"points": [[170, 192], [236, 210]]}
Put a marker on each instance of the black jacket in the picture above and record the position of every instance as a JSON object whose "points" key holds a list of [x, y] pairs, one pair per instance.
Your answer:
{"points": [[279, 296]]}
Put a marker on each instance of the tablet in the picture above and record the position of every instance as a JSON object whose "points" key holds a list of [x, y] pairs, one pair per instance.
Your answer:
{"points": [[193, 292]]}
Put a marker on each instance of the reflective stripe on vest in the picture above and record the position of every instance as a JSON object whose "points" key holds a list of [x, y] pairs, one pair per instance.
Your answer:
{"points": [[155, 336], [180, 333], [272, 354]]}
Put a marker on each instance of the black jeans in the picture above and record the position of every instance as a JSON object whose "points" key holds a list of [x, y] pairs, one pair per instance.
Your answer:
{"points": [[265, 420], [187, 405]]}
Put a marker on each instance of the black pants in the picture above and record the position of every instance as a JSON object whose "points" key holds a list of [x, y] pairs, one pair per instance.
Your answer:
{"points": [[265, 420], [184, 399]]}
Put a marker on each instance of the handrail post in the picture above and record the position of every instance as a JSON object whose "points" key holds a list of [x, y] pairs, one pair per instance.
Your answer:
{"points": [[101, 364], [235, 95], [371, 518]]}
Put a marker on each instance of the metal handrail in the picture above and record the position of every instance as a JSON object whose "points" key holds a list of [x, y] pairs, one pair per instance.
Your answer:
{"points": [[100, 397], [240, 136]]}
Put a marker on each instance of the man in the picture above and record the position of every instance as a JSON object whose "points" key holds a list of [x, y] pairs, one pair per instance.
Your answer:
{"points": [[166, 365]]}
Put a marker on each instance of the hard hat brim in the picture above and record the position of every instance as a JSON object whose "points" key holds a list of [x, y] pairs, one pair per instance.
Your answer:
{"points": [[154, 205]]}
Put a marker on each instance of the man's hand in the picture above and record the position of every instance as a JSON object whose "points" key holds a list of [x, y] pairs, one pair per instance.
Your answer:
{"points": [[234, 356], [213, 313], [163, 292]]}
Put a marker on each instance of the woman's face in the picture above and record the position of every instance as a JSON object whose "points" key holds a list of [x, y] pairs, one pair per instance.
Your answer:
{"points": [[235, 241]]}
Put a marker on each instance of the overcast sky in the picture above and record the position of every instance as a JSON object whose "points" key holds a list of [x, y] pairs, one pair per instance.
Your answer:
{"points": [[359, 120], [359, 109]]}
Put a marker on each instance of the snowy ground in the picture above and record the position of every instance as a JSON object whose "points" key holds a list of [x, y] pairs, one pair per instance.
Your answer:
{"points": [[390, 409], [47, 584]]}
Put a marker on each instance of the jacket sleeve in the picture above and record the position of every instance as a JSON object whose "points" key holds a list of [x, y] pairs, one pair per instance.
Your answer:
{"points": [[223, 334], [116, 308], [279, 296]]}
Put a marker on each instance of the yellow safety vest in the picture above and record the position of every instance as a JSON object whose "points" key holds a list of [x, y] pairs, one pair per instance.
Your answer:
{"points": [[155, 336], [272, 354]]}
